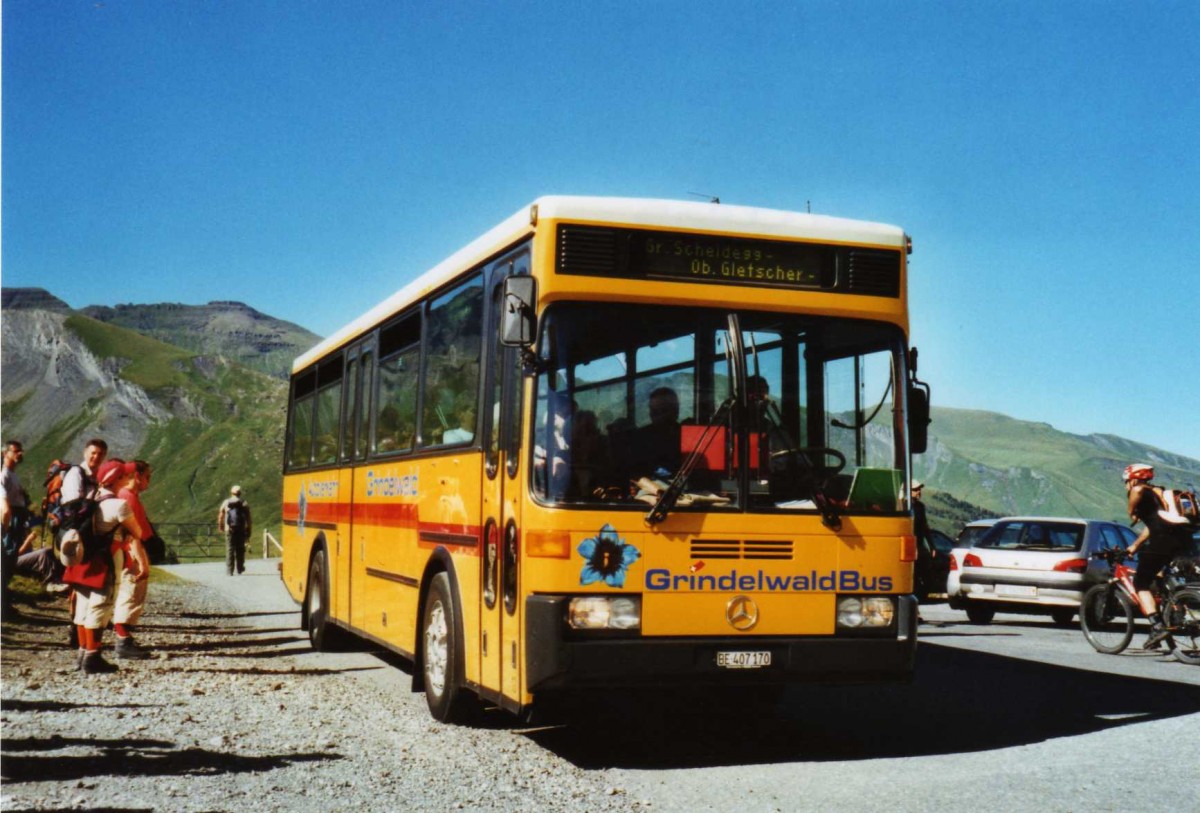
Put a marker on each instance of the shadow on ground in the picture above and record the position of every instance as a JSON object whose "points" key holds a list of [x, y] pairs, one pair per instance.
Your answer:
{"points": [[1009, 702]]}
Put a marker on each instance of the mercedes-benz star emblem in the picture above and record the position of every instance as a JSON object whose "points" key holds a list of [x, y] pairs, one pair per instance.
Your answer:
{"points": [[742, 613]]}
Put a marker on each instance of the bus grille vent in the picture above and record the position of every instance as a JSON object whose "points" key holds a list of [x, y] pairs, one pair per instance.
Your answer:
{"points": [[591, 251], [735, 549], [873, 273]]}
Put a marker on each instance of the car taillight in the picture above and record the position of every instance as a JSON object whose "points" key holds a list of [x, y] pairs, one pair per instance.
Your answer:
{"points": [[1071, 566], [953, 562], [971, 560]]}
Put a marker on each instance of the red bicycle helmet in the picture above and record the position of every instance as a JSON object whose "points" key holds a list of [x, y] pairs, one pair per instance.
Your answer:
{"points": [[1138, 471]]}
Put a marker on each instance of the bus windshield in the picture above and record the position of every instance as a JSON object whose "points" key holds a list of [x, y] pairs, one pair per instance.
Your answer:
{"points": [[740, 411]]}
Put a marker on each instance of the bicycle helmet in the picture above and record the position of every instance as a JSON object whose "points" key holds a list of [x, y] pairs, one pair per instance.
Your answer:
{"points": [[1138, 471]]}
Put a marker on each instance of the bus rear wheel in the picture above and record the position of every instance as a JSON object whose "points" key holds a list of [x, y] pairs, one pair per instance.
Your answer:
{"points": [[441, 664]]}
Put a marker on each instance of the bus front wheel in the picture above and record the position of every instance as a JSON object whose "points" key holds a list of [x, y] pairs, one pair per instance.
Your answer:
{"points": [[316, 604], [441, 664]]}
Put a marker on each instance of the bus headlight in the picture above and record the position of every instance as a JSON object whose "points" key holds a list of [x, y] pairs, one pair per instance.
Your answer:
{"points": [[855, 612], [605, 613]]}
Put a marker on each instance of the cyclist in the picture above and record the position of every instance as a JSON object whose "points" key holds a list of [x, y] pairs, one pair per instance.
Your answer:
{"points": [[1161, 539]]}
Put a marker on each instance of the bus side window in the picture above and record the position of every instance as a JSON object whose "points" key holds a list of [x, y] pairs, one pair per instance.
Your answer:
{"points": [[396, 422], [328, 411], [300, 427], [399, 368], [453, 344]]}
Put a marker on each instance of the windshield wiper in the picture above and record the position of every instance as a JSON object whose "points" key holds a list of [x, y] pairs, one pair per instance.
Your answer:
{"points": [[670, 495]]}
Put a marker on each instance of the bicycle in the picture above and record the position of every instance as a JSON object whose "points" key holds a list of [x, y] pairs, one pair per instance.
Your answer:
{"points": [[1108, 610]]}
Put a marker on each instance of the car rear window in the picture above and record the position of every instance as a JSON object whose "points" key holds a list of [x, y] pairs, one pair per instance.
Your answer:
{"points": [[1054, 537]]}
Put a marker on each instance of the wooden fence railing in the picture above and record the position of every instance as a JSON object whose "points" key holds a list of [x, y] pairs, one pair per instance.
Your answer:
{"points": [[201, 541]]}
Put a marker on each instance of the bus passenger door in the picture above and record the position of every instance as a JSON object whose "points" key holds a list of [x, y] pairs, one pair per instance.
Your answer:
{"points": [[359, 375], [501, 653]]}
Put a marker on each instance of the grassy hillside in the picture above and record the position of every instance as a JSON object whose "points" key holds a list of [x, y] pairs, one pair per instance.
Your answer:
{"points": [[230, 329], [149, 363], [240, 440], [227, 427], [1011, 466]]}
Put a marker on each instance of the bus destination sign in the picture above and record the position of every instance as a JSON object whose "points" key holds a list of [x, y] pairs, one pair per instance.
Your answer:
{"points": [[643, 254], [735, 261]]}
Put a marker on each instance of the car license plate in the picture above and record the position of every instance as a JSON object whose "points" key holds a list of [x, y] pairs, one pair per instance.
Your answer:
{"points": [[1023, 590], [743, 660]]}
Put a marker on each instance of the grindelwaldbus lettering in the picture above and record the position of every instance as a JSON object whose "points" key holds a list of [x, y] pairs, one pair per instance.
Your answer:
{"points": [[844, 581], [391, 486]]}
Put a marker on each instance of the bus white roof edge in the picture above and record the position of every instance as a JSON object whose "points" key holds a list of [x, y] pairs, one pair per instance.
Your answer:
{"points": [[695, 215], [648, 212]]}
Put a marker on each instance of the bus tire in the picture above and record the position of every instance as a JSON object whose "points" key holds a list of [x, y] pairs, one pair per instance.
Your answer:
{"points": [[316, 603], [441, 663]]}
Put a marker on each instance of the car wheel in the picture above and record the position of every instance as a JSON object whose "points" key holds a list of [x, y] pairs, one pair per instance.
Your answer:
{"points": [[979, 614], [1064, 616]]}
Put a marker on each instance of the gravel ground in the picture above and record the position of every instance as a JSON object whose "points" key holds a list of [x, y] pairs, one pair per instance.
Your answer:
{"points": [[235, 712]]}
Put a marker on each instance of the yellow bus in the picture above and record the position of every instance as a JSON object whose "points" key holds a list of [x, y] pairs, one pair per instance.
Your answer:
{"points": [[618, 442]]}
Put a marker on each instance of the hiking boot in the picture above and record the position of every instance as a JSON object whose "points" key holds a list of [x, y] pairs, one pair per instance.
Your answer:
{"points": [[94, 663], [1158, 634], [128, 650]]}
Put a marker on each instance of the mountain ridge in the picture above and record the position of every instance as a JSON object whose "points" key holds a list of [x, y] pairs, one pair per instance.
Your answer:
{"points": [[200, 391]]}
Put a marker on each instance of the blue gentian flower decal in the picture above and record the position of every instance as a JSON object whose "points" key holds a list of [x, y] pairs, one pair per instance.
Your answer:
{"points": [[606, 556], [302, 507]]}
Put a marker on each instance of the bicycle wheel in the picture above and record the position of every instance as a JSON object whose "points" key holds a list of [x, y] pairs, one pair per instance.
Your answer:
{"points": [[1106, 615], [1182, 614]]}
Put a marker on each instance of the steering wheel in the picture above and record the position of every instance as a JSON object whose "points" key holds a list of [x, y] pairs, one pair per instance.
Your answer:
{"points": [[814, 453]]}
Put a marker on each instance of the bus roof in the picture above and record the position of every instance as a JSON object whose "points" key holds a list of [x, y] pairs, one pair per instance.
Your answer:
{"points": [[635, 212]]}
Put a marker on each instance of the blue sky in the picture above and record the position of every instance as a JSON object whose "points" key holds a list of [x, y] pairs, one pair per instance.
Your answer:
{"points": [[309, 158]]}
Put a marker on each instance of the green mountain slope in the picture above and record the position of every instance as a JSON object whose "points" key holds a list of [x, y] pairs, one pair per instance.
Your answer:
{"points": [[230, 329], [203, 422], [1017, 467]]}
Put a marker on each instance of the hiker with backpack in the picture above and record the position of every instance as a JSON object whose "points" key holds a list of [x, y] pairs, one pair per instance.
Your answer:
{"points": [[133, 580], [96, 532], [80, 481], [1161, 539], [234, 520]]}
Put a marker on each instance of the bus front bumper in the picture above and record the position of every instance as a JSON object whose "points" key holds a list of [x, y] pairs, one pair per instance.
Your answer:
{"points": [[558, 659]]}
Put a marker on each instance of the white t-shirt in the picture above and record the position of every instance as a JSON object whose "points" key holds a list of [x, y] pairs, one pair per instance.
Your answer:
{"points": [[11, 493], [74, 487]]}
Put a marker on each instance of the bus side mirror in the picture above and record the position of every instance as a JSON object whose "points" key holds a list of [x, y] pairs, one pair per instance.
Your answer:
{"points": [[518, 322], [918, 417]]}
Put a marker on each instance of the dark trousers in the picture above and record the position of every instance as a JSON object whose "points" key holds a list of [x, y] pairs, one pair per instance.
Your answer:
{"points": [[41, 564], [235, 552], [8, 569]]}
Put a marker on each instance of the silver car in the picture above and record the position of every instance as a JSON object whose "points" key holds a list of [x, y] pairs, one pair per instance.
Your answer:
{"points": [[1032, 565]]}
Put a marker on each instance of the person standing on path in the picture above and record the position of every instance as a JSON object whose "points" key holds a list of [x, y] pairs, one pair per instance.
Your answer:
{"points": [[113, 521], [13, 510], [133, 579], [234, 521]]}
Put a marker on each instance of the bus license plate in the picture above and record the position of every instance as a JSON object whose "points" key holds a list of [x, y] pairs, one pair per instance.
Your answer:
{"points": [[743, 660]]}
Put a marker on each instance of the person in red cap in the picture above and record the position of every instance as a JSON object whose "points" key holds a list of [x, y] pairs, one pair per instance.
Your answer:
{"points": [[133, 580], [94, 606]]}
